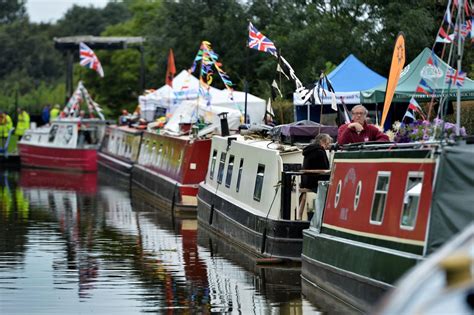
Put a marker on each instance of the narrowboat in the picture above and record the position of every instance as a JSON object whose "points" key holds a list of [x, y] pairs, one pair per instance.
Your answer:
{"points": [[119, 149], [249, 196], [388, 206], [171, 167], [67, 144], [173, 160]]}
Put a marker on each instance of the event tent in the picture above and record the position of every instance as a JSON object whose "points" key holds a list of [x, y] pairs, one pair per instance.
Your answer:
{"points": [[186, 87], [432, 73], [349, 78]]}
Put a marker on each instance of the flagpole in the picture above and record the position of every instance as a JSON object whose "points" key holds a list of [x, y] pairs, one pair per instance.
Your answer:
{"points": [[246, 88], [458, 92]]}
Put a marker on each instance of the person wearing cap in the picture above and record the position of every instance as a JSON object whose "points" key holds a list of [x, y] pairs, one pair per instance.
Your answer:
{"points": [[54, 113], [23, 123]]}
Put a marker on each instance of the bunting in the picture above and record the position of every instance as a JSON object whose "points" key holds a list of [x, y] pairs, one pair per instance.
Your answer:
{"points": [[209, 61], [424, 88], [81, 94], [415, 107]]}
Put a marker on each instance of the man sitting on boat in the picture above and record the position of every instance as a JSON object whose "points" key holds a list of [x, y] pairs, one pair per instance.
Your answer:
{"points": [[358, 130], [315, 158]]}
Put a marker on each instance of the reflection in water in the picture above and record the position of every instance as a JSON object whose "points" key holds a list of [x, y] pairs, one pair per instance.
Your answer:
{"points": [[72, 246]]}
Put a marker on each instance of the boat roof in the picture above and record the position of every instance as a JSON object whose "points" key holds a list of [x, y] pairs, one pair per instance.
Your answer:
{"points": [[260, 142]]}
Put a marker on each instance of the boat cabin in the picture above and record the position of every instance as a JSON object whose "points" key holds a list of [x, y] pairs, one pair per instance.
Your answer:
{"points": [[70, 133]]}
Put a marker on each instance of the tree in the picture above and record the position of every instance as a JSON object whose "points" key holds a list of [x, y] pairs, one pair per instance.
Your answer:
{"points": [[11, 11]]}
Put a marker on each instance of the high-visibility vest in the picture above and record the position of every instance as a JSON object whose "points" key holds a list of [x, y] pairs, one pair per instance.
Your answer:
{"points": [[23, 123], [5, 125], [53, 114]]}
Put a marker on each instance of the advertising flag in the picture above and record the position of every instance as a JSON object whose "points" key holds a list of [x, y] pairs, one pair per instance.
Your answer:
{"points": [[171, 69], [398, 61]]}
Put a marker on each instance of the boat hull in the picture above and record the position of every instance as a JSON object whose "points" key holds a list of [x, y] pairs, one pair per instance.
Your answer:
{"points": [[117, 165], [269, 238], [173, 195], [84, 160], [358, 291]]}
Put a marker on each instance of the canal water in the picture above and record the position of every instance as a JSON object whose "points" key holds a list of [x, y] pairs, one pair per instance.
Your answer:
{"points": [[88, 243]]}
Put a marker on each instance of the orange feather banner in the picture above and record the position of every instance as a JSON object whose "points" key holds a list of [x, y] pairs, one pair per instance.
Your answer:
{"points": [[398, 61]]}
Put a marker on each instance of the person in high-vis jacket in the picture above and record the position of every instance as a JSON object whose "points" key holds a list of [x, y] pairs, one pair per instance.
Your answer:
{"points": [[54, 113], [5, 124], [23, 123]]}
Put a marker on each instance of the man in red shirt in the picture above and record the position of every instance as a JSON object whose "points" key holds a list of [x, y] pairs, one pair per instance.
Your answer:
{"points": [[358, 130]]}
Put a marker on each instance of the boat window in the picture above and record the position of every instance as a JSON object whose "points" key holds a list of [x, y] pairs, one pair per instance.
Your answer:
{"points": [[213, 164], [338, 194], [152, 154], [230, 168], [180, 159], [52, 133], [160, 157], [411, 200], [380, 197], [69, 133], [220, 174], [357, 195], [241, 167], [257, 191]]}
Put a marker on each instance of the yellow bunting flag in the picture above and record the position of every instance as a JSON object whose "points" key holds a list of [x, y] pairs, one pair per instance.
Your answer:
{"points": [[398, 61]]}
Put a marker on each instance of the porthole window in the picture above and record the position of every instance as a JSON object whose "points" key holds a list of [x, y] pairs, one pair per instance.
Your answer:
{"points": [[338, 194], [357, 195]]}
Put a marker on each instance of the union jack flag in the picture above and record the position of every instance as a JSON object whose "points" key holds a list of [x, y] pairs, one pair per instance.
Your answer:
{"points": [[89, 60], [259, 42], [455, 77]]}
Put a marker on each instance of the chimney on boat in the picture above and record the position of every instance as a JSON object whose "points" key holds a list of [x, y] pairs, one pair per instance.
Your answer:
{"points": [[224, 124]]}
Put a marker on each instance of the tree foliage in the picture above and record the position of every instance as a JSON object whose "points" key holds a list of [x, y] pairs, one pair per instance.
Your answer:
{"points": [[313, 35]]}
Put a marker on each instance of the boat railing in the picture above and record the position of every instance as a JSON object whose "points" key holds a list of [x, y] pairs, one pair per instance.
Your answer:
{"points": [[291, 188], [373, 145]]}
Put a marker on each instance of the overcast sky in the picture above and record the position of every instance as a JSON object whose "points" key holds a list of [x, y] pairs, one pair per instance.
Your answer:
{"points": [[52, 10]]}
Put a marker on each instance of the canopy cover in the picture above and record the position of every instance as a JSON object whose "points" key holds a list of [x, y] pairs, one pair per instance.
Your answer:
{"points": [[349, 78], [186, 88], [433, 73]]}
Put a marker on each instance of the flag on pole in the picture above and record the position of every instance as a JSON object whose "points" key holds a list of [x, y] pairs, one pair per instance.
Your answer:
{"points": [[269, 109], [171, 69], [259, 42], [89, 60], [455, 77], [443, 37], [415, 107], [276, 89]]}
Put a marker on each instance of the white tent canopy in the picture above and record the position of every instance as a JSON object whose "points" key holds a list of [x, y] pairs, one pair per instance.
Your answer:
{"points": [[189, 113], [186, 88]]}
